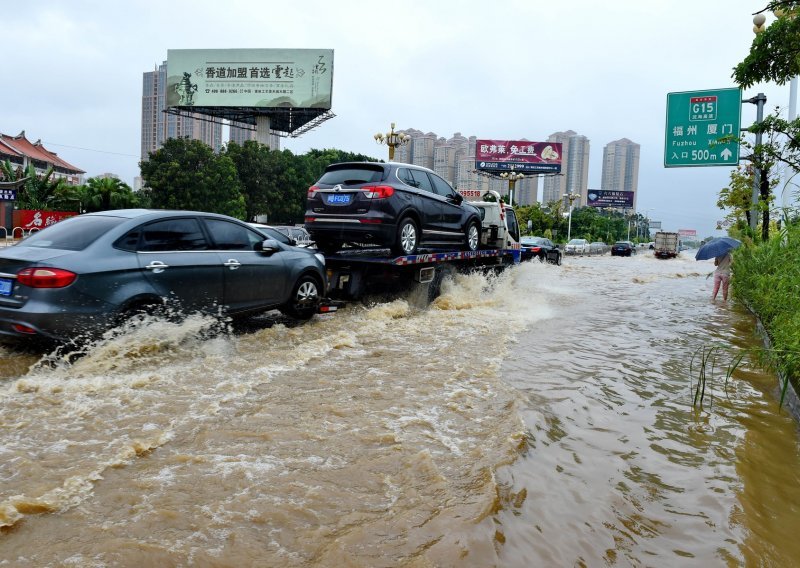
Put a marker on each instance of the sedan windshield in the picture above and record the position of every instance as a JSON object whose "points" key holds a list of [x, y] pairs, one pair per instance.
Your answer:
{"points": [[75, 233]]}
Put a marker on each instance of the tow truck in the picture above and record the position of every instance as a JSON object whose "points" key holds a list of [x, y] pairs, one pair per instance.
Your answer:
{"points": [[355, 272]]}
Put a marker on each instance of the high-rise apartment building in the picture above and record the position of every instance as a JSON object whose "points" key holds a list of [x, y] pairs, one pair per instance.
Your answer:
{"points": [[158, 126], [621, 167], [574, 176], [240, 133], [454, 160]]}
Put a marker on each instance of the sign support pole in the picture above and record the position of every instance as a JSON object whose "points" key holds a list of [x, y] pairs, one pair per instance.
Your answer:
{"points": [[759, 101]]}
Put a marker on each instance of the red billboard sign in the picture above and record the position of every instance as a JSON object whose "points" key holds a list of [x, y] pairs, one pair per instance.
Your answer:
{"points": [[36, 219], [687, 232], [518, 155]]}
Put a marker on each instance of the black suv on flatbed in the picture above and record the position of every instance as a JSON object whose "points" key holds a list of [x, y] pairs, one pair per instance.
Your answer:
{"points": [[394, 205]]}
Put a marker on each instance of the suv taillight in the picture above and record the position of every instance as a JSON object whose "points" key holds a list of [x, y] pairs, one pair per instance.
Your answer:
{"points": [[378, 191], [40, 277], [312, 191]]}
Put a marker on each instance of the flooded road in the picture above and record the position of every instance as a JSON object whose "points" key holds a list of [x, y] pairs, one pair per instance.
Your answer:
{"points": [[542, 418]]}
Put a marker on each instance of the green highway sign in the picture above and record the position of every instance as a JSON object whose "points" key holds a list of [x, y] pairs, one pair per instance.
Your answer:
{"points": [[696, 121]]}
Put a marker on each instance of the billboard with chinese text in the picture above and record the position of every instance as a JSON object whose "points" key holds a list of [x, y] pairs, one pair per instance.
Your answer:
{"points": [[518, 155], [688, 233], [37, 219], [608, 198], [255, 78]]}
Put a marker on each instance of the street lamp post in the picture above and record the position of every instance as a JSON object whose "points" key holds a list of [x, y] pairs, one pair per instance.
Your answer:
{"points": [[512, 178], [572, 197], [392, 139]]}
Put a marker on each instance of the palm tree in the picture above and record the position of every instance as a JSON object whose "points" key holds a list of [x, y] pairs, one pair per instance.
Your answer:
{"points": [[102, 194]]}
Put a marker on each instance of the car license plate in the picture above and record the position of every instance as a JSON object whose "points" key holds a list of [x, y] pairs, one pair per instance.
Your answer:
{"points": [[339, 198], [5, 286]]}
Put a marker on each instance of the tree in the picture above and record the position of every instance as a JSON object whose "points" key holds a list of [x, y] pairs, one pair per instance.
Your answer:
{"points": [[38, 191], [775, 51], [102, 194], [186, 174], [774, 56], [736, 197]]}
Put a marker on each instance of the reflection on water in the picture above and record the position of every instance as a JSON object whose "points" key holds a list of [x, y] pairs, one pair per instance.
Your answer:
{"points": [[542, 418]]}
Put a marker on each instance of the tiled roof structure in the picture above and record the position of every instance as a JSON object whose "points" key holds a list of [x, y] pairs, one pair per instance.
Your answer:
{"points": [[19, 146]]}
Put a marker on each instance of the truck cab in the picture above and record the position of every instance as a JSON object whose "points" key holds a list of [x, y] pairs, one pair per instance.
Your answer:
{"points": [[499, 226]]}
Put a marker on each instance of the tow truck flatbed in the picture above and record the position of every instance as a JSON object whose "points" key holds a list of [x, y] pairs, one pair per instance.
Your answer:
{"points": [[352, 273]]}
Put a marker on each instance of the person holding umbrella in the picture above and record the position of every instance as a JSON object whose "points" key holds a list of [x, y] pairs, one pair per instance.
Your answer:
{"points": [[720, 250], [722, 275]]}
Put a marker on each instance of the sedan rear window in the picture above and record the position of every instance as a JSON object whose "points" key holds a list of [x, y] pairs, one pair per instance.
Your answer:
{"points": [[75, 233], [352, 175]]}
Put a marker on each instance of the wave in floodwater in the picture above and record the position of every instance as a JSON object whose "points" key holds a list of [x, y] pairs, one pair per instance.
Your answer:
{"points": [[368, 437]]}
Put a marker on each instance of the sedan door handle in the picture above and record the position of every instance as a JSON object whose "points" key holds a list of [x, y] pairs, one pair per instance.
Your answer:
{"points": [[232, 263], [157, 266]]}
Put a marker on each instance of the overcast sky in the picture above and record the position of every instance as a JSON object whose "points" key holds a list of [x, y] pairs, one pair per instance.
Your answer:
{"points": [[508, 69]]}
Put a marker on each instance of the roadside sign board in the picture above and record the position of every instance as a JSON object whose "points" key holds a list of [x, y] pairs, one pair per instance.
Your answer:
{"points": [[696, 122]]}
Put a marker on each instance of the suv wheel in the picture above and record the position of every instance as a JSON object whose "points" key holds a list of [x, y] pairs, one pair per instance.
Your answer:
{"points": [[473, 236], [407, 238]]}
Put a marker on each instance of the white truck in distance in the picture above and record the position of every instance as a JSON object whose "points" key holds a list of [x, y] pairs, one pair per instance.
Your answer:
{"points": [[666, 245]]}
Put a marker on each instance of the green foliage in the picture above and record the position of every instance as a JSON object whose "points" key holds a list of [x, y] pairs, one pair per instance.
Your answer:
{"points": [[102, 194], [767, 279], [38, 191], [775, 53], [186, 174], [592, 223]]}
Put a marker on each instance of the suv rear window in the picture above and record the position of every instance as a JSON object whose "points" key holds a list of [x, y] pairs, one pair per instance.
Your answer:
{"points": [[75, 233], [352, 175]]}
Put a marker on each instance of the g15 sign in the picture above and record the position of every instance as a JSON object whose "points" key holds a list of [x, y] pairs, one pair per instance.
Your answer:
{"points": [[518, 155], [703, 128], [261, 78], [608, 198]]}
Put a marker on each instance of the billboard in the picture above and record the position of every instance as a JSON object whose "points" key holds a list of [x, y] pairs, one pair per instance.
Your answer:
{"points": [[518, 155], [608, 198], [654, 224], [253, 78], [690, 233]]}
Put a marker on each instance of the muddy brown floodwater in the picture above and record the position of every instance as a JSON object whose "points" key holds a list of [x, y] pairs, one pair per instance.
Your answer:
{"points": [[543, 418]]}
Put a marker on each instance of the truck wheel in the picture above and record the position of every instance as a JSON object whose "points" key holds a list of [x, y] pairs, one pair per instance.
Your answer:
{"points": [[473, 236], [305, 298], [407, 237]]}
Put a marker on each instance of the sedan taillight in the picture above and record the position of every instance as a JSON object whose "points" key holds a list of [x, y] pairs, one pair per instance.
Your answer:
{"points": [[378, 191], [312, 191], [40, 277]]}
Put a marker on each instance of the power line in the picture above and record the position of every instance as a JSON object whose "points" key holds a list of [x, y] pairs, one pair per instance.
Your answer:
{"points": [[91, 150]]}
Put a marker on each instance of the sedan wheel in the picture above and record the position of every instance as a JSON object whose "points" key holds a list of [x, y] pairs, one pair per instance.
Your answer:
{"points": [[305, 299]]}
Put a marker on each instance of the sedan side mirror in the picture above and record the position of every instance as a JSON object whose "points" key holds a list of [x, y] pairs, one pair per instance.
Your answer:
{"points": [[457, 197], [268, 246]]}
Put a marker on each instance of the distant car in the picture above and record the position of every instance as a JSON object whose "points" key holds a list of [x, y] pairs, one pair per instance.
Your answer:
{"points": [[598, 248], [88, 273], [394, 205], [577, 246], [298, 234], [539, 248], [623, 248]]}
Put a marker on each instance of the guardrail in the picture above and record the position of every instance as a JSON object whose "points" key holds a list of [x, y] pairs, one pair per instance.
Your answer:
{"points": [[8, 239]]}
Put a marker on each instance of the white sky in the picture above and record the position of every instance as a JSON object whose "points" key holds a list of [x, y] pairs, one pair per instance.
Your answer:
{"points": [[508, 69]]}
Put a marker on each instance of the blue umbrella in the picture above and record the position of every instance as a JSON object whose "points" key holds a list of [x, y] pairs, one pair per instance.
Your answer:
{"points": [[716, 247]]}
